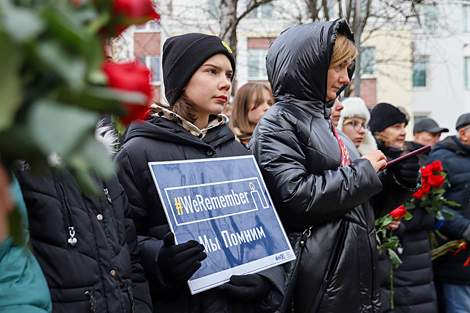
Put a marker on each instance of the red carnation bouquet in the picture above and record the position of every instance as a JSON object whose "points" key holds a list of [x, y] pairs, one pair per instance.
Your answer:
{"points": [[430, 195]]}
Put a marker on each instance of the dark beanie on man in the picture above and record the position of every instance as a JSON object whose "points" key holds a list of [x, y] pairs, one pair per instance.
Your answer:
{"points": [[183, 55], [384, 115]]}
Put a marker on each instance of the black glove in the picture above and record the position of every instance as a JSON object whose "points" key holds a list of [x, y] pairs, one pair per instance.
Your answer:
{"points": [[407, 171], [179, 262], [246, 288]]}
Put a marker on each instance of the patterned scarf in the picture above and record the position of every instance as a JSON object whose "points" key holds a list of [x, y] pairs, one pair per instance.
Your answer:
{"points": [[345, 159]]}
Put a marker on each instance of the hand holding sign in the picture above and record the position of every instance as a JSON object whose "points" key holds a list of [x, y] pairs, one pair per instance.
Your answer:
{"points": [[245, 288], [179, 262]]}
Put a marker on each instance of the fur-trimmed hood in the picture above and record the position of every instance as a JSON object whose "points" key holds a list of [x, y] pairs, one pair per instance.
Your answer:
{"points": [[356, 107]]}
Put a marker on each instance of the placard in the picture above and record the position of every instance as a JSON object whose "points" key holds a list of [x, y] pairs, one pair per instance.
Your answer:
{"points": [[223, 203]]}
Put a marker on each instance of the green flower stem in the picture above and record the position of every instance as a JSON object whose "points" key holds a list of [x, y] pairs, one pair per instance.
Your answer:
{"points": [[391, 279]]}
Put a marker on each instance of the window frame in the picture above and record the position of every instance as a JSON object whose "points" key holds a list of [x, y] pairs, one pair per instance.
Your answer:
{"points": [[148, 64], [261, 59]]}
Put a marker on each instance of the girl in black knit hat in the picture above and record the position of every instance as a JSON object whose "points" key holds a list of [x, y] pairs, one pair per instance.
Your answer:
{"points": [[197, 73]]}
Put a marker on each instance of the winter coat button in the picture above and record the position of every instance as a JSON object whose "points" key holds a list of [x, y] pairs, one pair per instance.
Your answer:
{"points": [[209, 153], [99, 217], [112, 272]]}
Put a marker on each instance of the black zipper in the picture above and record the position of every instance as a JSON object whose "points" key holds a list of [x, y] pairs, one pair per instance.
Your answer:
{"points": [[71, 225], [91, 300]]}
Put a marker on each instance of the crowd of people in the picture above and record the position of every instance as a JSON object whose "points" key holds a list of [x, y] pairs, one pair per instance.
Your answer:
{"points": [[324, 162]]}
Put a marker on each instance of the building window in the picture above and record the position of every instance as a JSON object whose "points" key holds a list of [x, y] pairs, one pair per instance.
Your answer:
{"points": [[466, 17], [153, 63], [214, 9], [368, 62], [257, 64], [150, 26], [419, 116], [429, 18], [419, 72], [467, 72], [264, 11]]}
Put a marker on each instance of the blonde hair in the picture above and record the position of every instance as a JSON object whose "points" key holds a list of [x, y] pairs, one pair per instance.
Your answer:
{"points": [[241, 105], [343, 51]]}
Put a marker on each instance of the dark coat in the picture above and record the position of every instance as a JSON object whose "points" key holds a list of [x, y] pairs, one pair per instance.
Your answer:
{"points": [[455, 158], [413, 283], [299, 158], [101, 272], [159, 139]]}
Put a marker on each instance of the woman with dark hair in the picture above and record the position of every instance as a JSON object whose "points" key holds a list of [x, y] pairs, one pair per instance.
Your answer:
{"points": [[197, 71], [308, 170], [251, 101], [413, 280]]}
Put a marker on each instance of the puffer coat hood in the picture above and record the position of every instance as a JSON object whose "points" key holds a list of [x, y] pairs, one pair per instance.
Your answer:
{"points": [[298, 50]]}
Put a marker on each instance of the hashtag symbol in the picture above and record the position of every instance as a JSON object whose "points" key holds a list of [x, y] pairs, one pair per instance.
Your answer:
{"points": [[179, 207]]}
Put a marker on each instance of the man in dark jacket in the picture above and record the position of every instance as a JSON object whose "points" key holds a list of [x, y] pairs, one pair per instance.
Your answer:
{"points": [[299, 156], [426, 132], [451, 275]]}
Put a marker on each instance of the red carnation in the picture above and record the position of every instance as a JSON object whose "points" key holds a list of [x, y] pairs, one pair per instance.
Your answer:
{"points": [[139, 11], [398, 212], [436, 166], [133, 77], [427, 171], [426, 188], [436, 181], [418, 194]]}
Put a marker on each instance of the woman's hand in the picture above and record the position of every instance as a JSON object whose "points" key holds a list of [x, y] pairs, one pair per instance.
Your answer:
{"points": [[393, 225], [377, 159]]}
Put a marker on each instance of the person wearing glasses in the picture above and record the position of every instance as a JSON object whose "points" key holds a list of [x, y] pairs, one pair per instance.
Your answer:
{"points": [[353, 122]]}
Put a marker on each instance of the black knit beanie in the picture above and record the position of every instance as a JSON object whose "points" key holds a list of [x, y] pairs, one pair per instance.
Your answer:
{"points": [[183, 55], [384, 115]]}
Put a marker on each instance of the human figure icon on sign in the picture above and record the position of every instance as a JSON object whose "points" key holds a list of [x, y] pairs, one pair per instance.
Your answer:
{"points": [[264, 203]]}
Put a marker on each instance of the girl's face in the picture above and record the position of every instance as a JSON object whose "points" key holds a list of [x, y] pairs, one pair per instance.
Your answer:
{"points": [[209, 88], [355, 130], [396, 135], [254, 115], [337, 76]]}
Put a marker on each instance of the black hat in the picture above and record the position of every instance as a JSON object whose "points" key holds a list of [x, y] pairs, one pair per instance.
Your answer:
{"points": [[384, 115], [462, 121], [428, 125], [183, 55]]}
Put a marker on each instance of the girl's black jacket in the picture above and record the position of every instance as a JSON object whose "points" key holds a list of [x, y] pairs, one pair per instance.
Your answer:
{"points": [[159, 139]]}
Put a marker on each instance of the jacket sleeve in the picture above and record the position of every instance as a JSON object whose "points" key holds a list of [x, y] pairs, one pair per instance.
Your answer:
{"points": [[392, 195], [304, 199], [272, 301], [140, 287], [149, 245]]}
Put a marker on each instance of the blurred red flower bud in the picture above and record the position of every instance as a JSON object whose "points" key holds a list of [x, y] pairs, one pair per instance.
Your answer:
{"points": [[398, 212], [134, 77], [418, 194], [436, 166]]}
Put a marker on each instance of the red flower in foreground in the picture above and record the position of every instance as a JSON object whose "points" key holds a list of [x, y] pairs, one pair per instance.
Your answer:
{"points": [[436, 181], [436, 166], [141, 10], [426, 188], [427, 171], [418, 194], [398, 212], [133, 77]]}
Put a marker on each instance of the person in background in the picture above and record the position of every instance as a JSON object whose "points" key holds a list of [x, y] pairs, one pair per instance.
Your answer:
{"points": [[336, 112], [426, 132], [197, 72], [228, 107], [354, 122], [23, 288], [86, 245], [413, 280], [313, 182], [251, 101], [451, 271]]}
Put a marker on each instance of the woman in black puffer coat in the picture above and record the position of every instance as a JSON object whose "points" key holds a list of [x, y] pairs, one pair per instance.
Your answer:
{"points": [[301, 157], [197, 71], [413, 284]]}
